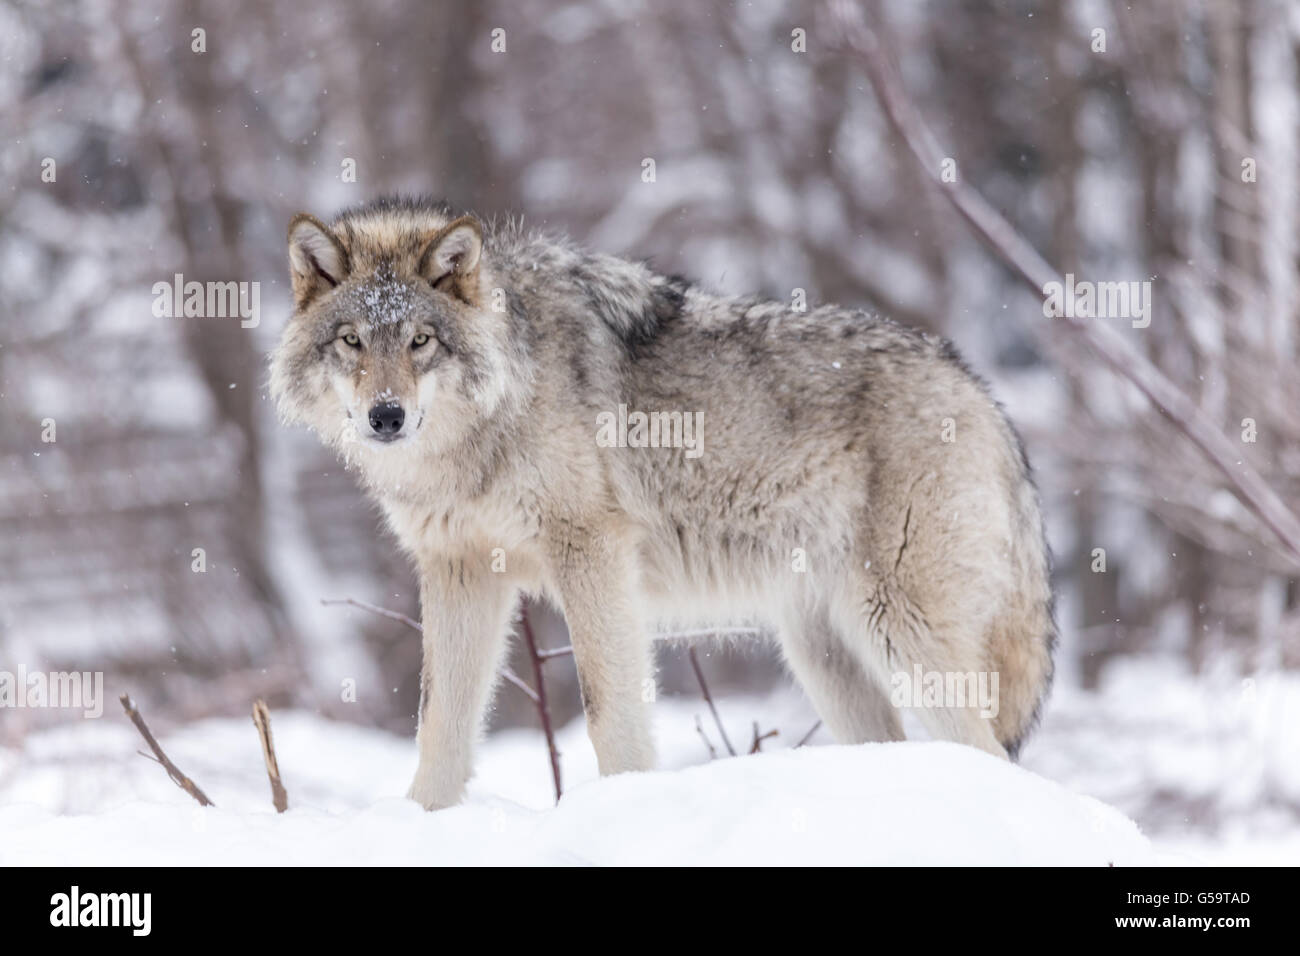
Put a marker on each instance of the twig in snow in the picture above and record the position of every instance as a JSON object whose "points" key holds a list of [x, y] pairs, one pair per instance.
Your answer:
{"points": [[699, 729], [178, 778], [543, 711], [262, 721], [757, 745], [708, 699], [808, 736]]}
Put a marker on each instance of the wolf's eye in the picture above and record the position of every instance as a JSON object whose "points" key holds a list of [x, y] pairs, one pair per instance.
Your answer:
{"points": [[419, 340], [353, 340]]}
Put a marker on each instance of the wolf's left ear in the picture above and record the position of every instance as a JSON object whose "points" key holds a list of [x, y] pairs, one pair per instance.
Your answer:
{"points": [[317, 261], [450, 261]]}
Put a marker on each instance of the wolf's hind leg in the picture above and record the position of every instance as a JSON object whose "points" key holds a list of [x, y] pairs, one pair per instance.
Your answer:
{"points": [[851, 702], [890, 636]]}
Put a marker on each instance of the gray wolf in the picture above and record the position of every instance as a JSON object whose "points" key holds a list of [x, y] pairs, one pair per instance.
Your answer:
{"points": [[848, 484]]}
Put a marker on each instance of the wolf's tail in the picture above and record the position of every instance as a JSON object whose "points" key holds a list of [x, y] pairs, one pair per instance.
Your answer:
{"points": [[1023, 640]]}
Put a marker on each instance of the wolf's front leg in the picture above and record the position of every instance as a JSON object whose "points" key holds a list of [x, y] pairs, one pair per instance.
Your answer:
{"points": [[611, 649], [467, 611]]}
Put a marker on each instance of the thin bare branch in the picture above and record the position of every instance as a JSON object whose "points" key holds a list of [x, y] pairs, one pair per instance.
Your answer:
{"points": [[178, 778], [708, 632], [757, 745], [808, 736], [543, 710], [376, 609], [699, 729], [262, 721], [708, 699], [517, 681]]}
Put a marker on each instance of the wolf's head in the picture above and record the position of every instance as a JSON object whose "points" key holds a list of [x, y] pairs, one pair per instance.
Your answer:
{"points": [[390, 344]]}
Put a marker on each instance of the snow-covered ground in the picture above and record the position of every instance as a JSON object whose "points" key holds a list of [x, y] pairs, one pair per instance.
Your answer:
{"points": [[1209, 765], [912, 803], [1161, 748]]}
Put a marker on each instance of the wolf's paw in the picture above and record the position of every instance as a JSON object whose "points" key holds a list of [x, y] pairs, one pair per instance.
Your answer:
{"points": [[428, 794]]}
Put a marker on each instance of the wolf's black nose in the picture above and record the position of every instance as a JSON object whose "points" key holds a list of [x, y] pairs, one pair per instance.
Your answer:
{"points": [[386, 420]]}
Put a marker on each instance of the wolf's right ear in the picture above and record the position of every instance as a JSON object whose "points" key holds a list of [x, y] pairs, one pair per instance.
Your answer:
{"points": [[317, 260]]}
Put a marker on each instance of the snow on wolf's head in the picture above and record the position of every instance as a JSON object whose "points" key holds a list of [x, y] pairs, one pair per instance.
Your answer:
{"points": [[391, 348]]}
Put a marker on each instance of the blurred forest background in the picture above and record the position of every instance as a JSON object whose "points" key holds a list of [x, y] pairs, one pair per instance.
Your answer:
{"points": [[775, 170]]}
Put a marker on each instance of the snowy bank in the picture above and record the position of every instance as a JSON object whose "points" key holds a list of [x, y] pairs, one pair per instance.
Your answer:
{"points": [[906, 803]]}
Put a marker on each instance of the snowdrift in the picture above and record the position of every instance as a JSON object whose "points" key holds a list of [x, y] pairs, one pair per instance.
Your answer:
{"points": [[903, 803]]}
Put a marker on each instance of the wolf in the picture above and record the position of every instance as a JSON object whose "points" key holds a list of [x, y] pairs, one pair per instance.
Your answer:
{"points": [[856, 491]]}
